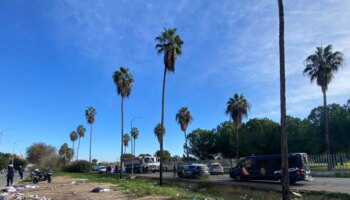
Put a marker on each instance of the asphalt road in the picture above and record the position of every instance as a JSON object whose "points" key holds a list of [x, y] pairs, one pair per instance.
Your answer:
{"points": [[3, 179], [318, 184]]}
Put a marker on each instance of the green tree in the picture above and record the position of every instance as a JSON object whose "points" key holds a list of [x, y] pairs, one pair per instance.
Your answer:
{"points": [[259, 137], [170, 44], [65, 153], [90, 114], [126, 139], [124, 82], [81, 133], [284, 141], [159, 131], [237, 108], [134, 134], [320, 67], [202, 144], [166, 155], [184, 118], [73, 137], [144, 154], [225, 140], [94, 161], [42, 155]]}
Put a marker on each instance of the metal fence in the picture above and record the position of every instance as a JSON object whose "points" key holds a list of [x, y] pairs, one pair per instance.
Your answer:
{"points": [[339, 160]]}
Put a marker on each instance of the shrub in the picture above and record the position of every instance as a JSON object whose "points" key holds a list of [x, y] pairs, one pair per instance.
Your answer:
{"points": [[78, 166]]}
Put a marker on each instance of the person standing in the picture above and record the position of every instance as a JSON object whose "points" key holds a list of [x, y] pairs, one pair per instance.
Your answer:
{"points": [[20, 171], [10, 174]]}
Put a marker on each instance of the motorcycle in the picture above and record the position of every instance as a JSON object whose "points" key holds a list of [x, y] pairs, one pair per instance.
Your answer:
{"points": [[36, 177]]}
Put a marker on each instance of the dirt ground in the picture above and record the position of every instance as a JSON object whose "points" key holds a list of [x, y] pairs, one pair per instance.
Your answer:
{"points": [[63, 188]]}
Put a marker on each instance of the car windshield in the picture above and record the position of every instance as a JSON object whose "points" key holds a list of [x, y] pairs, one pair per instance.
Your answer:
{"points": [[215, 166], [149, 160]]}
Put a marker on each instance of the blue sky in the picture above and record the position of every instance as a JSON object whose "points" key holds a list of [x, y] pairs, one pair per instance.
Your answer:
{"points": [[58, 57]]}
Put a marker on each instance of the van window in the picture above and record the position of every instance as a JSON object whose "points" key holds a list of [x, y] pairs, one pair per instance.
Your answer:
{"points": [[247, 163], [304, 156]]}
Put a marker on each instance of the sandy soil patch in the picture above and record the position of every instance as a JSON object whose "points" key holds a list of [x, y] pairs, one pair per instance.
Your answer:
{"points": [[64, 188]]}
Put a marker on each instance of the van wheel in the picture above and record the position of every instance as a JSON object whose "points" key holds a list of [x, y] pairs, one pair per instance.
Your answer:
{"points": [[238, 178]]}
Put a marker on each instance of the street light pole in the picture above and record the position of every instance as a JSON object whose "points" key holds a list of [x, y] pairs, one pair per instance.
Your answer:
{"points": [[132, 149], [3, 131]]}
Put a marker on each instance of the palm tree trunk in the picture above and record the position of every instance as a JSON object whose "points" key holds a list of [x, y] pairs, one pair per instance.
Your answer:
{"points": [[132, 157], [161, 137], [237, 155], [73, 152], [284, 143], [78, 149], [326, 132], [186, 144], [121, 144], [90, 144]]}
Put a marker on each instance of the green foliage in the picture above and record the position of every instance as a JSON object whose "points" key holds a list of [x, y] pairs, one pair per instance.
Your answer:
{"points": [[159, 131], [124, 81], [78, 166], [135, 133], [202, 144], [94, 161], [19, 162], [90, 114], [166, 155], [66, 154], [4, 161], [144, 154], [262, 136], [42, 155], [127, 155]]}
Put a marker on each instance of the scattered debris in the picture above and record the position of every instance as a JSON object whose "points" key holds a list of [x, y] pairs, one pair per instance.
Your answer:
{"points": [[74, 182], [99, 189], [297, 194]]}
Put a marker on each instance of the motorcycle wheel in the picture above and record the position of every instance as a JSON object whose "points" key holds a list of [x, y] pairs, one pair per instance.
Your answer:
{"points": [[35, 181], [49, 180]]}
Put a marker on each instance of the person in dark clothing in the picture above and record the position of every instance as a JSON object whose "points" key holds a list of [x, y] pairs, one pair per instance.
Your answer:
{"points": [[20, 171], [10, 174]]}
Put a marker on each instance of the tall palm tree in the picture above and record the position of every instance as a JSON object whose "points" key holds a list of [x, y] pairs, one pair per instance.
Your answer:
{"points": [[320, 67], [184, 118], [237, 108], [134, 135], [284, 141], [81, 133], [170, 44], [159, 131], [126, 139], [73, 137], [90, 114], [124, 82]]}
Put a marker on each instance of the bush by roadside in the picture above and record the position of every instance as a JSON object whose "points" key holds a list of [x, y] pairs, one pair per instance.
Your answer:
{"points": [[78, 166]]}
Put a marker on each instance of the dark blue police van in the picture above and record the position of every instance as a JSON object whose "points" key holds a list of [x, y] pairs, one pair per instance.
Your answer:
{"points": [[268, 167]]}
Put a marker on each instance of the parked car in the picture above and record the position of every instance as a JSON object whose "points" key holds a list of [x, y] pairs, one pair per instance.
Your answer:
{"points": [[216, 168], [194, 171], [99, 169], [102, 169]]}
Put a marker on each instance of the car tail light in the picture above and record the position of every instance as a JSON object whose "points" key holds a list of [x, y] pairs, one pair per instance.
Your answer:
{"points": [[301, 170]]}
